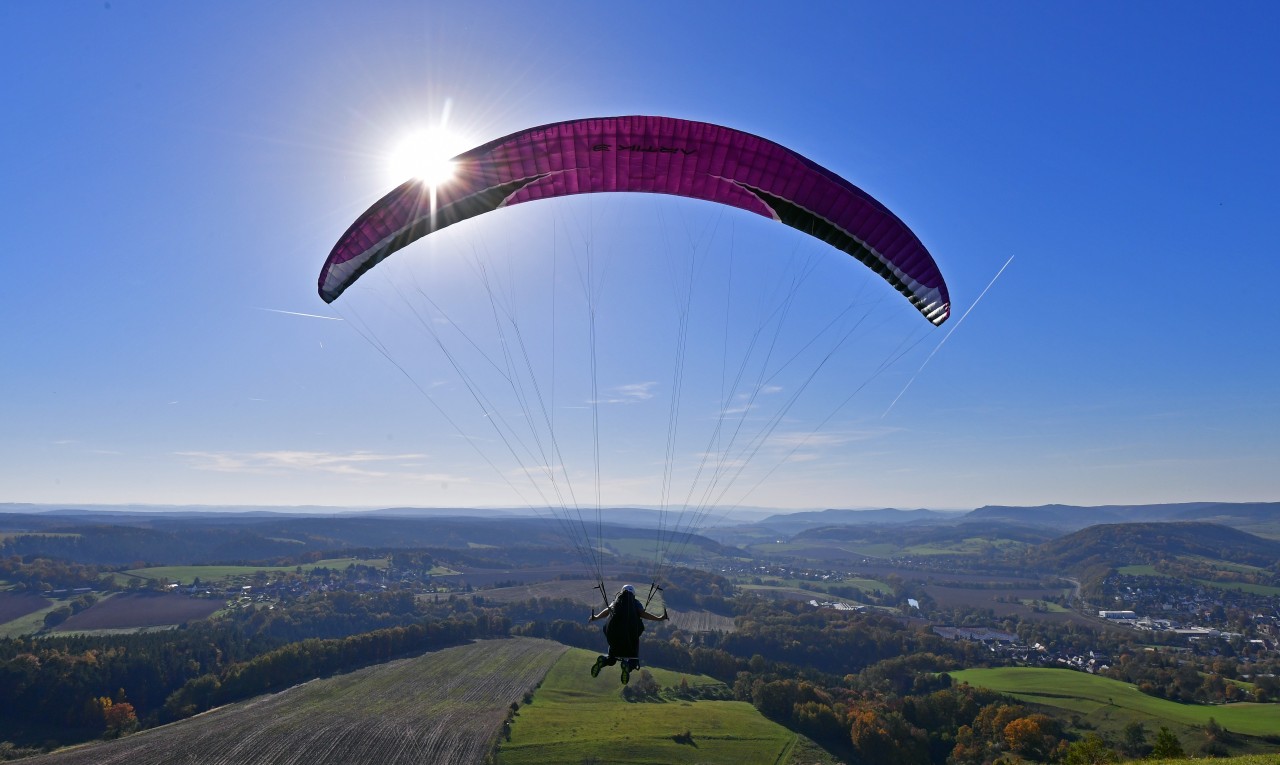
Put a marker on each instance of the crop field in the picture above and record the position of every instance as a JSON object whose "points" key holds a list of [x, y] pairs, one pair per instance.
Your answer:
{"points": [[576, 718], [14, 605], [844, 552], [447, 706], [1093, 696], [788, 593], [866, 585], [577, 590], [487, 577], [212, 574], [1019, 602], [29, 624], [818, 549], [139, 611], [910, 573], [702, 621], [981, 597]]}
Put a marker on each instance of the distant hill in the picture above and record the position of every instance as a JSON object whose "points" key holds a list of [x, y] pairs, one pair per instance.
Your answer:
{"points": [[447, 706], [178, 539], [930, 534], [1072, 517], [1138, 543], [791, 523]]}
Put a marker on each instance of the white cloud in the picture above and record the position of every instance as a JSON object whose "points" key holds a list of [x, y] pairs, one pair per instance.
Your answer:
{"points": [[630, 393], [826, 439], [352, 464]]}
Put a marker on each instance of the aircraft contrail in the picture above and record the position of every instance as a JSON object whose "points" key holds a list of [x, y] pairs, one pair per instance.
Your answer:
{"points": [[297, 313]]}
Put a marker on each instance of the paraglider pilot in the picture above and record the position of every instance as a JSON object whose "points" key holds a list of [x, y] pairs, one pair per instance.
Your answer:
{"points": [[623, 631]]}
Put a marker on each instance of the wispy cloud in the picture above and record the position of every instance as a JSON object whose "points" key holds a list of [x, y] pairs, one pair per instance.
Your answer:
{"points": [[352, 464], [631, 393], [826, 439], [745, 402]]}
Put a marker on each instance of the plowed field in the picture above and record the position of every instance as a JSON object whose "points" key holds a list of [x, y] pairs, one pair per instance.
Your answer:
{"points": [[13, 606], [447, 706], [140, 610]]}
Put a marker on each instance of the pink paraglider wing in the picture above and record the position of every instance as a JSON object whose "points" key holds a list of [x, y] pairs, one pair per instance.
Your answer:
{"points": [[657, 155]]}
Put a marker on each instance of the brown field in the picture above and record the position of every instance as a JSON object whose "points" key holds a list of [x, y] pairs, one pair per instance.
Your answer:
{"points": [[448, 706], [14, 606], [959, 597], [577, 590], [702, 621], [139, 610], [913, 573]]}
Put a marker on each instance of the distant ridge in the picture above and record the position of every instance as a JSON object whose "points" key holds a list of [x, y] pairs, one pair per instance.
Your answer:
{"points": [[1122, 544], [801, 521], [1072, 517]]}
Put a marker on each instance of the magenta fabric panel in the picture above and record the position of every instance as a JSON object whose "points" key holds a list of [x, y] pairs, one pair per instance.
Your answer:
{"points": [[657, 155]]}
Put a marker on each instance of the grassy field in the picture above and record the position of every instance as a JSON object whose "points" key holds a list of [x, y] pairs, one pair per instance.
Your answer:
{"points": [[824, 550], [217, 574], [447, 706], [791, 593], [1248, 759], [1090, 695], [575, 717], [1048, 606], [1138, 570], [1256, 589], [16, 605], [865, 585], [1224, 565]]}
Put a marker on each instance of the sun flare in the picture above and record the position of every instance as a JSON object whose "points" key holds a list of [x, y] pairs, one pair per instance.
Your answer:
{"points": [[425, 155]]}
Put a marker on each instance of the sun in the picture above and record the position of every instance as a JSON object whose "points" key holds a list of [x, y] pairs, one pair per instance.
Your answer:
{"points": [[425, 155]]}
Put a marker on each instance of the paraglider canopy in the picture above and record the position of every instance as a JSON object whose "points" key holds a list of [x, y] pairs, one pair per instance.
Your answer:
{"points": [[655, 155]]}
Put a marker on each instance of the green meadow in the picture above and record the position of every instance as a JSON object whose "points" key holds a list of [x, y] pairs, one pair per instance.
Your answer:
{"points": [[1256, 589], [1248, 759], [1048, 606], [817, 588], [576, 718], [1138, 570], [1090, 695]]}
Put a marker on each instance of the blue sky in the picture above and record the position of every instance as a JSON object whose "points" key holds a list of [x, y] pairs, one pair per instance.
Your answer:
{"points": [[177, 172]]}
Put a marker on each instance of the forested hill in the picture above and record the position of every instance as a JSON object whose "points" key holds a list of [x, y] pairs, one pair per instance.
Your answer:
{"points": [[928, 534], [791, 523], [1071, 517], [1123, 544], [170, 540]]}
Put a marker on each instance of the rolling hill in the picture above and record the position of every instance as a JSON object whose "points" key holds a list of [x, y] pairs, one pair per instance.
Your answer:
{"points": [[1248, 515], [1125, 544], [448, 706]]}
